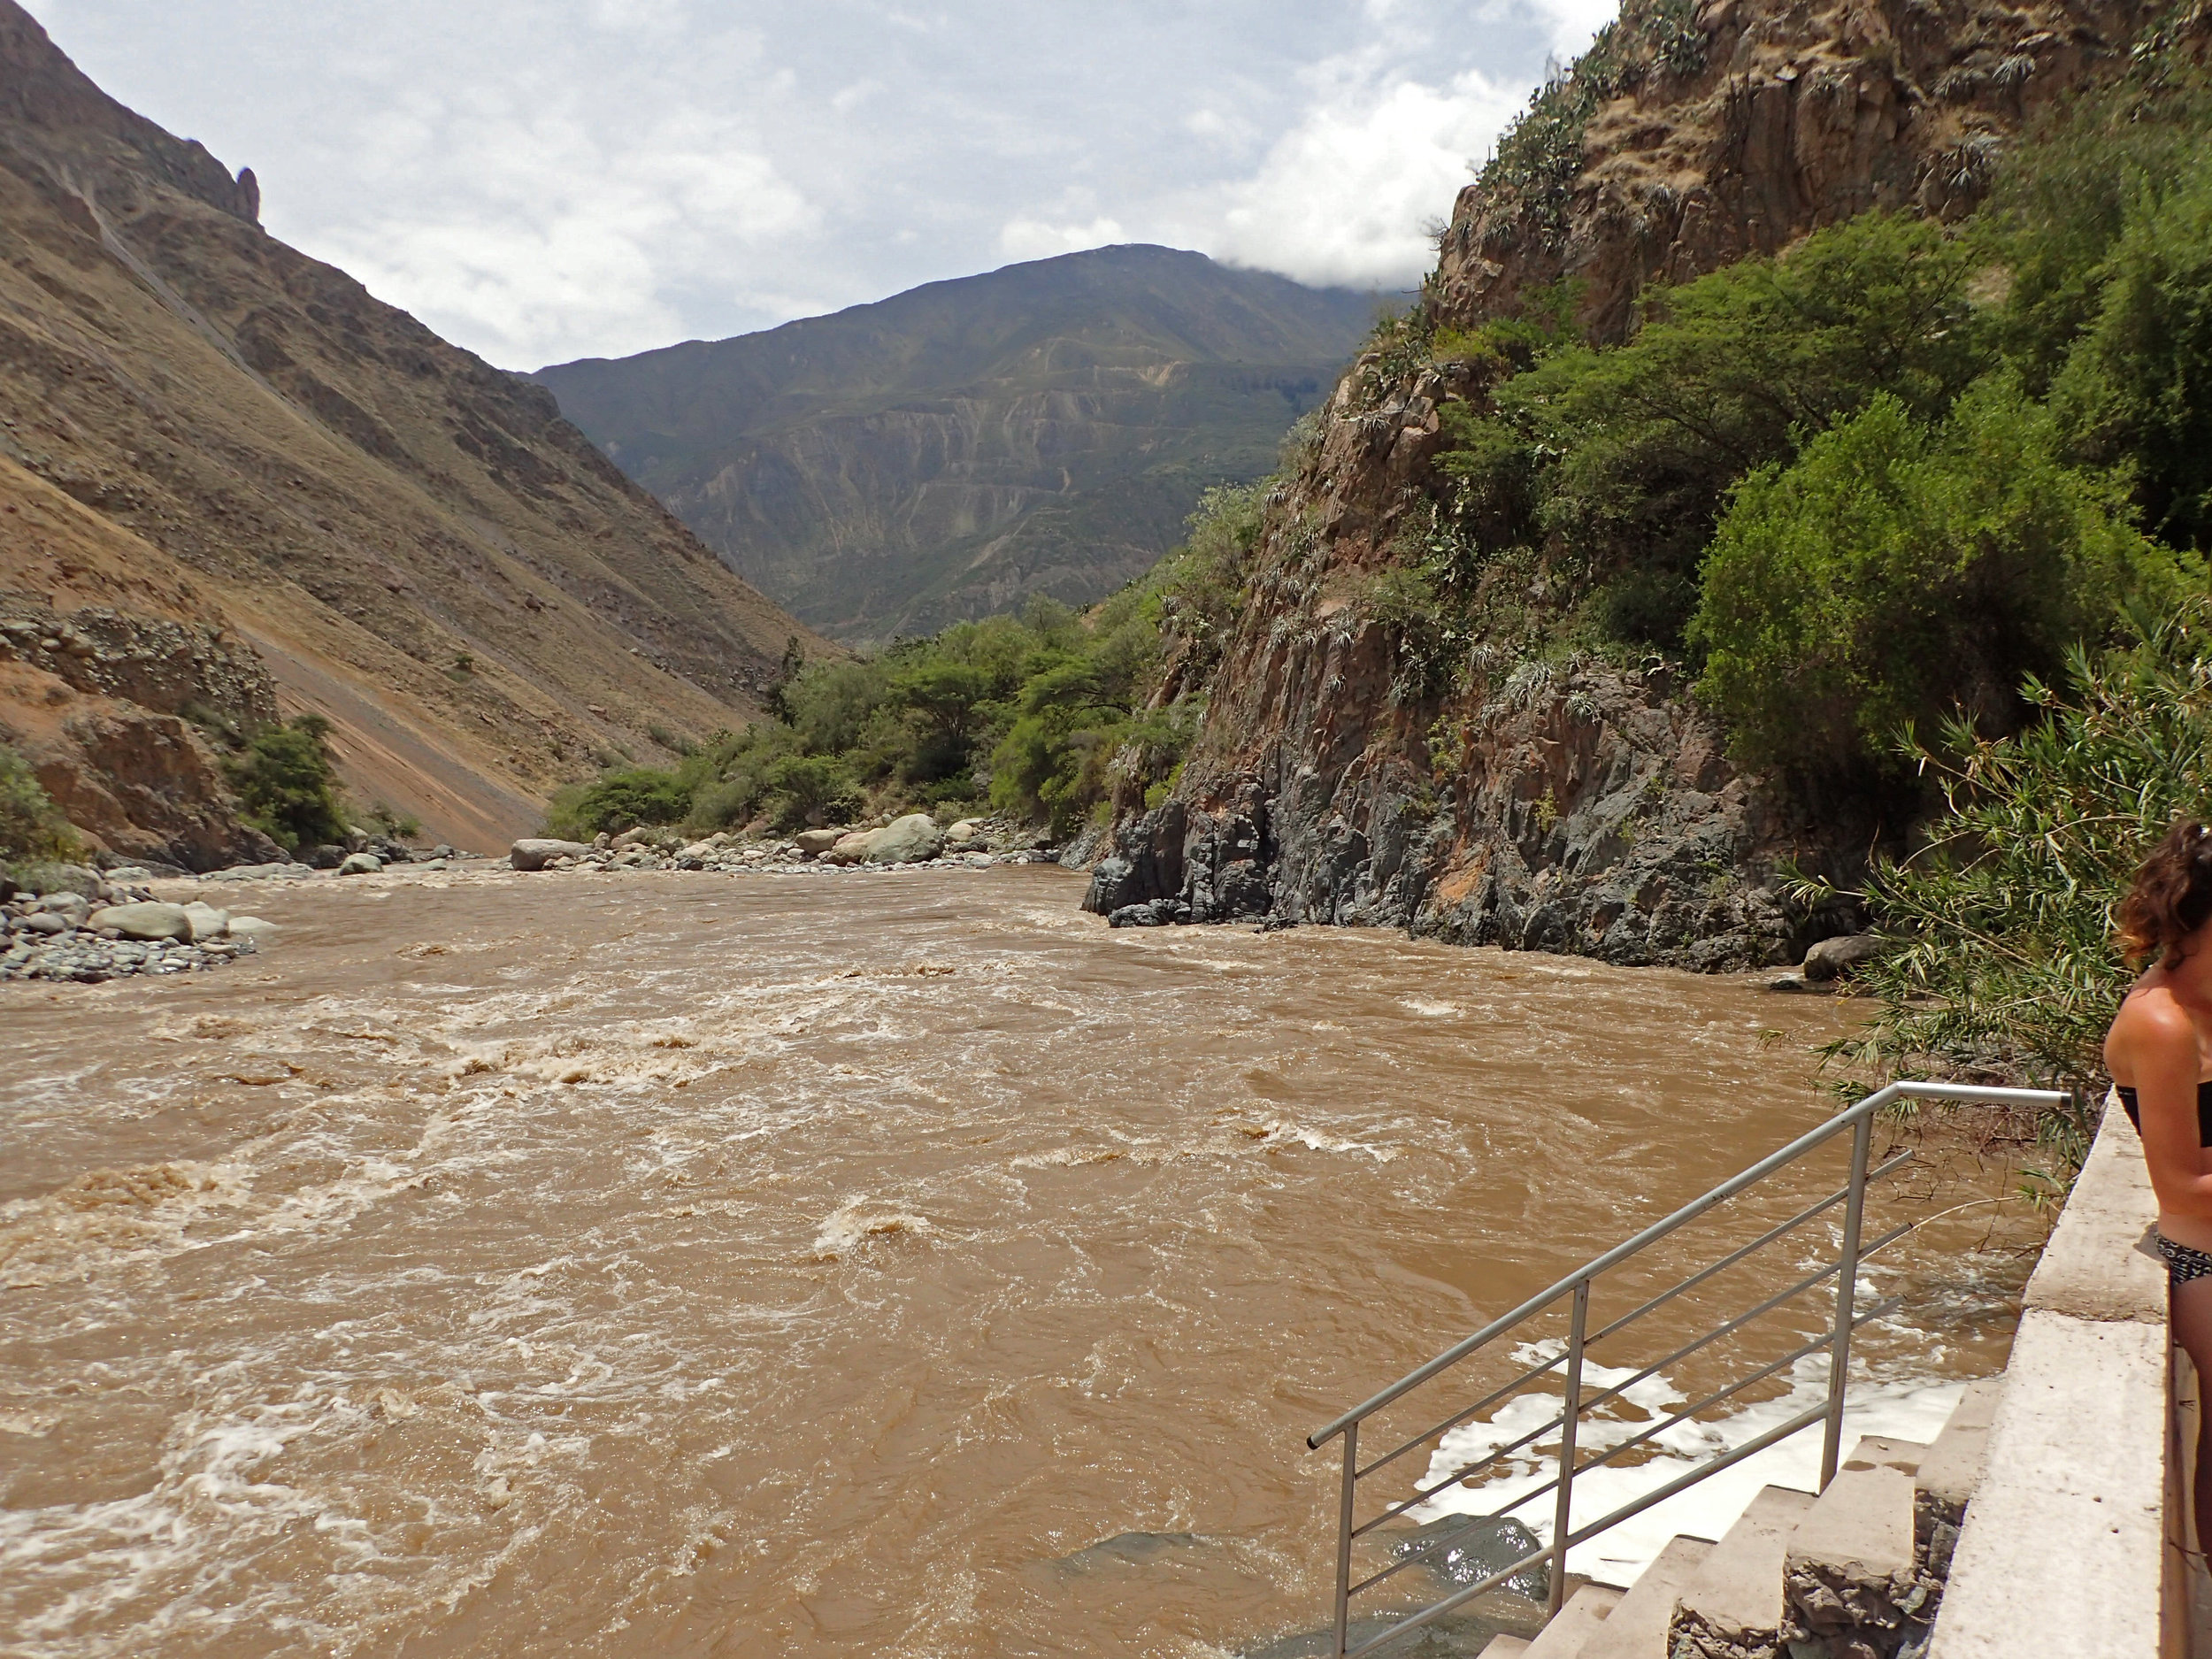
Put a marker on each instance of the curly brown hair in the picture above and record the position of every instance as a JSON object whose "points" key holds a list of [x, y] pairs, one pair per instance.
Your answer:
{"points": [[2170, 898]]}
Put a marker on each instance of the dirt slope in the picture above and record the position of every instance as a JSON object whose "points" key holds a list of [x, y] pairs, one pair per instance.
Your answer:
{"points": [[402, 536]]}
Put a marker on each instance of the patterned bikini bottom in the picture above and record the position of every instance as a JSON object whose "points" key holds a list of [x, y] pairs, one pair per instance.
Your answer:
{"points": [[2182, 1263]]}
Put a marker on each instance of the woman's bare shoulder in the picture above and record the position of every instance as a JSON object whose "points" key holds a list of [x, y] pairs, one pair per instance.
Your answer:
{"points": [[2152, 1020]]}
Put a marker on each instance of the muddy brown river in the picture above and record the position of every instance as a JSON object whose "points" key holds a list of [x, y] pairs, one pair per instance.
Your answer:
{"points": [[884, 1264]]}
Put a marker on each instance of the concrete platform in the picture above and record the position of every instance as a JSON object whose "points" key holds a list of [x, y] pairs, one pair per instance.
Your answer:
{"points": [[1506, 1647], [2063, 1546]]}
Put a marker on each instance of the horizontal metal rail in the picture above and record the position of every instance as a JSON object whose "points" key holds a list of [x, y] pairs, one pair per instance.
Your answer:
{"points": [[1630, 1317], [1653, 1370], [1857, 1120], [1877, 1311]]}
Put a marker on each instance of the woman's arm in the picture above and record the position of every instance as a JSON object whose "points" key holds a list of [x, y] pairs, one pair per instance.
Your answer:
{"points": [[2157, 1041]]}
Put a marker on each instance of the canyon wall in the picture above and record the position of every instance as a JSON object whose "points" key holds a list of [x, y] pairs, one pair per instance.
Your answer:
{"points": [[1573, 806]]}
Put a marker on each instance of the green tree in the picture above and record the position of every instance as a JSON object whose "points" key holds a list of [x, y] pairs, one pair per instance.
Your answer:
{"points": [[31, 829], [2136, 389], [287, 784], [626, 800], [1897, 570], [1618, 460]]}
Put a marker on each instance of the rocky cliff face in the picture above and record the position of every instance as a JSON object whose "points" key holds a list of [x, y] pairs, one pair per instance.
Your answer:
{"points": [[1573, 808], [200, 428], [948, 452]]}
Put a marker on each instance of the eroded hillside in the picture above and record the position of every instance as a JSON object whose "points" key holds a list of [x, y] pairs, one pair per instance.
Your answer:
{"points": [[203, 429]]}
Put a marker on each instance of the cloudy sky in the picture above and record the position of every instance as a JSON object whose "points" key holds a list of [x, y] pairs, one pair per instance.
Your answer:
{"points": [[543, 179]]}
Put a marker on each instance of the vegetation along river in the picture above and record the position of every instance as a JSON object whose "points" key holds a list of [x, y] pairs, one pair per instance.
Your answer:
{"points": [[897, 1264]]}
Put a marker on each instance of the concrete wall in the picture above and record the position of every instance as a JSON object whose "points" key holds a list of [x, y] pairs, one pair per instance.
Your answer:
{"points": [[2065, 1553]]}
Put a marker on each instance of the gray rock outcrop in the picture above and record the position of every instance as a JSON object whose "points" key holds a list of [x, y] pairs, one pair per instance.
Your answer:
{"points": [[145, 921], [907, 841], [535, 852]]}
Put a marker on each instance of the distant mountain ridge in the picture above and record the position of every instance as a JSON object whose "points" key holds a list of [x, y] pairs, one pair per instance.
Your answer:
{"points": [[946, 452]]}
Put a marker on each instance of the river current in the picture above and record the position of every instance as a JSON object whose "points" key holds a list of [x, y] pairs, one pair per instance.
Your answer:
{"points": [[889, 1264]]}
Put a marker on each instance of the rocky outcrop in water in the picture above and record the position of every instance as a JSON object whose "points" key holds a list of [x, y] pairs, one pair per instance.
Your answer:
{"points": [[1599, 817]]}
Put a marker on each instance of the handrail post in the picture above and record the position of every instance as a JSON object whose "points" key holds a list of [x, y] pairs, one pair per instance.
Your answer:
{"points": [[1846, 1289], [1344, 1538], [1563, 1508]]}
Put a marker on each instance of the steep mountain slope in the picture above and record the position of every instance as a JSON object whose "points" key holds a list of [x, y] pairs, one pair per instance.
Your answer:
{"points": [[1045, 428], [200, 426], [1571, 806]]}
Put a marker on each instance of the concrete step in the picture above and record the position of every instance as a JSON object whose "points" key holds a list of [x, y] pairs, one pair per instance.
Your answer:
{"points": [[1734, 1601], [1854, 1546], [1506, 1647], [1584, 1614], [1637, 1629], [1952, 1467]]}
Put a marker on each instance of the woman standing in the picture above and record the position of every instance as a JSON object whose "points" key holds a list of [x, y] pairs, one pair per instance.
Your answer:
{"points": [[2159, 1052]]}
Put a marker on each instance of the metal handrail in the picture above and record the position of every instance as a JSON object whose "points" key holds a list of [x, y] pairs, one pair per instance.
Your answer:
{"points": [[1858, 1119]]}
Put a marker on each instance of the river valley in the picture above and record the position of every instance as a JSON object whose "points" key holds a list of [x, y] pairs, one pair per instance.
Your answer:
{"points": [[889, 1264]]}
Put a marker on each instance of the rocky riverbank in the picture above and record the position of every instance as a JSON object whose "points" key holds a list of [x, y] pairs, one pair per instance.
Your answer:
{"points": [[69, 923], [78, 925], [915, 840]]}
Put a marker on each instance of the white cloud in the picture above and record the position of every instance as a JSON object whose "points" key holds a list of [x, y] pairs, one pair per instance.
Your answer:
{"points": [[547, 178], [1343, 196]]}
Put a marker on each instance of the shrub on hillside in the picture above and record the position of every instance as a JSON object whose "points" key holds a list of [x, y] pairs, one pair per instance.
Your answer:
{"points": [[626, 800], [1616, 462], [286, 785], [2136, 388], [31, 829], [1898, 570]]}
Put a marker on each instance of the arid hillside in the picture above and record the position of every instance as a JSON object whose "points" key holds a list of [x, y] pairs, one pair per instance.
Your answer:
{"points": [[233, 483]]}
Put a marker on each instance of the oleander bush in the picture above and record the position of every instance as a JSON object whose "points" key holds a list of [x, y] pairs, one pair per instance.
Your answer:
{"points": [[2000, 964]]}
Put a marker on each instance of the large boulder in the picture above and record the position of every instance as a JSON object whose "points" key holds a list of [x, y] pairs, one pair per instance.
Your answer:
{"points": [[1832, 958], [251, 927], [73, 906], [850, 848], [814, 842], [906, 840], [360, 864], [147, 921], [207, 921], [536, 852], [49, 878]]}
